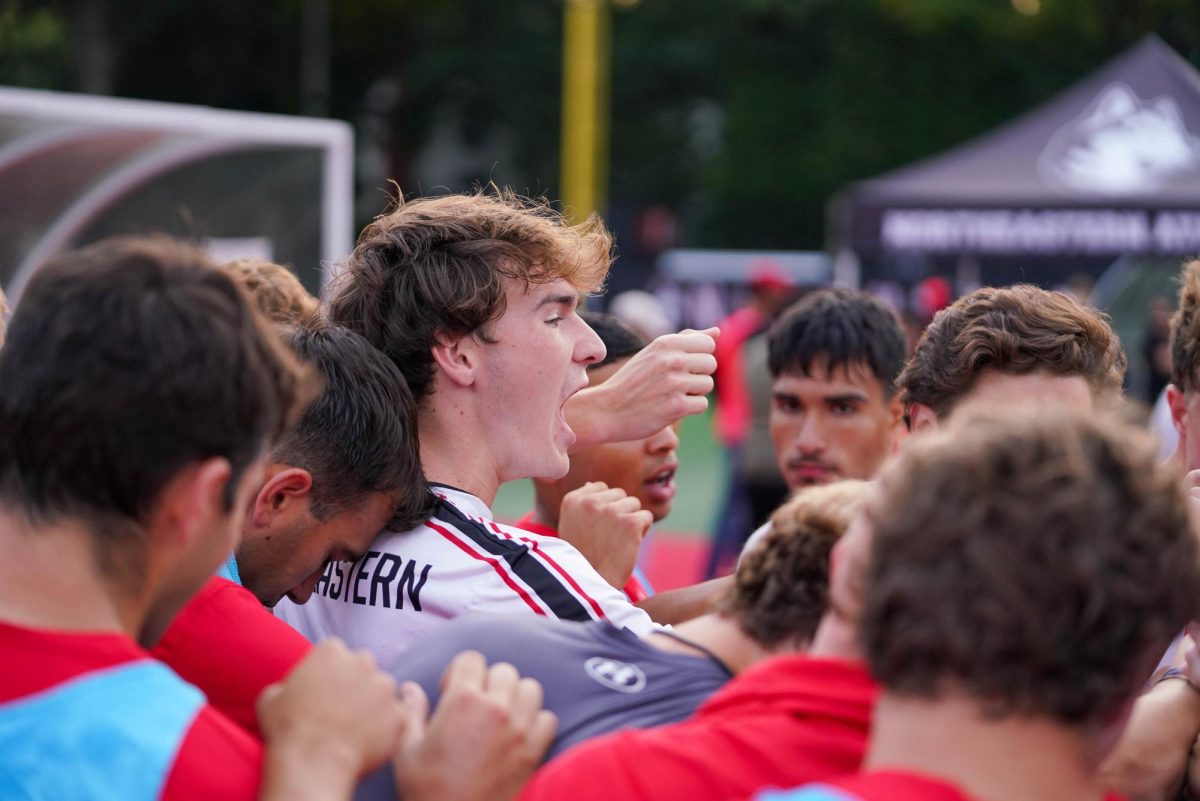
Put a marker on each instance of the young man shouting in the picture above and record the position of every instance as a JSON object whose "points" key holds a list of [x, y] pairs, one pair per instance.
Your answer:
{"points": [[475, 299]]}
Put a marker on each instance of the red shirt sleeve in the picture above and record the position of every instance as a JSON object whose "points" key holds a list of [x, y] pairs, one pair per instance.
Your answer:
{"points": [[227, 644], [217, 759], [591, 773]]}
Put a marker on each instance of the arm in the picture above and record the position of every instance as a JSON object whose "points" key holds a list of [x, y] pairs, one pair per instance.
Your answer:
{"points": [[685, 603], [666, 380], [1151, 758]]}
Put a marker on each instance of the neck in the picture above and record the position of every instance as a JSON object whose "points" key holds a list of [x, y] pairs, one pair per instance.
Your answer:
{"points": [[1012, 759], [718, 634], [836, 638], [49, 580], [453, 451]]}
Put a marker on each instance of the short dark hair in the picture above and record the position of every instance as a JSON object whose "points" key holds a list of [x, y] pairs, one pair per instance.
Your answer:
{"points": [[125, 362], [620, 341], [837, 328], [1018, 329], [1039, 566], [359, 435], [435, 267], [1185, 330], [781, 585]]}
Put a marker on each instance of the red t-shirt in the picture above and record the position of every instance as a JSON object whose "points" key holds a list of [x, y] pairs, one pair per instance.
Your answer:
{"points": [[216, 758], [227, 644], [785, 722], [883, 785], [633, 588]]}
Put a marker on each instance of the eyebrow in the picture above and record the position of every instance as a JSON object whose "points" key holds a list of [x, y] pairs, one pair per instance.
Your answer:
{"points": [[560, 300], [846, 396]]}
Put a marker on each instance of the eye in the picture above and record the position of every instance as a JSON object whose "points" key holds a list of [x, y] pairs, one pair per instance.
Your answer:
{"points": [[555, 320], [843, 408], [787, 405]]}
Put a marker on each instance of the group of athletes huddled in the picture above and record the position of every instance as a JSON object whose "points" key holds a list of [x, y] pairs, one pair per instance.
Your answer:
{"points": [[250, 552]]}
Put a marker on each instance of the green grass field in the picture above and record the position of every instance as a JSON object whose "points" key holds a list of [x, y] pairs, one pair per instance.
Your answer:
{"points": [[700, 483]]}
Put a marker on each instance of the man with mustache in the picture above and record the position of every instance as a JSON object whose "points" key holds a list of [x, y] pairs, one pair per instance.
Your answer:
{"points": [[834, 357]]}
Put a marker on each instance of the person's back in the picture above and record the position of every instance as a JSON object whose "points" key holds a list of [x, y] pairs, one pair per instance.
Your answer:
{"points": [[595, 677]]}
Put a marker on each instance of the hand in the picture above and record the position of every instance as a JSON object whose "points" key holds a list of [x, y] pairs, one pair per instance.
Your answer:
{"points": [[334, 718], [1191, 654], [606, 526], [486, 737], [1192, 482], [666, 380]]}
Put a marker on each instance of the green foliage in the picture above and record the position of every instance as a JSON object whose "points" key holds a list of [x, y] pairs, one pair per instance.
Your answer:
{"points": [[744, 116], [33, 46]]}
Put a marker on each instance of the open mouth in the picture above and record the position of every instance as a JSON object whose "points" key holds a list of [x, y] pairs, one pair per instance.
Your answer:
{"points": [[663, 477], [660, 486]]}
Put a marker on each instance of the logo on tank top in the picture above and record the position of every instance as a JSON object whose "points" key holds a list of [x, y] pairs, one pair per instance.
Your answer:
{"points": [[615, 675]]}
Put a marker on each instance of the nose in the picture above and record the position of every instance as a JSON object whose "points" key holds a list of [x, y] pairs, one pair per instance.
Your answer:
{"points": [[810, 440], [589, 348], [304, 590], [664, 441]]}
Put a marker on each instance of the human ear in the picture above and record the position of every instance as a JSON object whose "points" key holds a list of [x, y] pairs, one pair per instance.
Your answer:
{"points": [[283, 489], [1177, 403], [921, 419], [457, 358]]}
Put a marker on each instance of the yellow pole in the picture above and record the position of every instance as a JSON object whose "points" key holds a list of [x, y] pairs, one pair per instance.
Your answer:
{"points": [[587, 54]]}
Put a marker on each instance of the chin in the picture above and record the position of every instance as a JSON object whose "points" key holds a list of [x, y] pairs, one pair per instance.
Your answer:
{"points": [[551, 468]]}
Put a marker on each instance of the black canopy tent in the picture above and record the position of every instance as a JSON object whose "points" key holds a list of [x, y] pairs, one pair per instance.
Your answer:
{"points": [[1110, 166]]}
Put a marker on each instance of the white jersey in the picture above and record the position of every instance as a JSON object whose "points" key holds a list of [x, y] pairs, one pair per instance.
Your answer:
{"points": [[458, 561]]}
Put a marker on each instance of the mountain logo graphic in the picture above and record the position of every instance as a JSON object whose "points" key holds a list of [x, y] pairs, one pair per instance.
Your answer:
{"points": [[1120, 145]]}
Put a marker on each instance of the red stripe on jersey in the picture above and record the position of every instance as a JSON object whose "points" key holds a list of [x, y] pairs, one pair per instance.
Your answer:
{"points": [[558, 568], [493, 562]]}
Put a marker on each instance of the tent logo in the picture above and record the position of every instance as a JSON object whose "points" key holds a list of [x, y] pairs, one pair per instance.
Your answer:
{"points": [[1120, 145]]}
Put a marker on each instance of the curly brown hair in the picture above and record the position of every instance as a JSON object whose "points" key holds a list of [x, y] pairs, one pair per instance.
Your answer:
{"points": [[436, 267], [781, 587], [1018, 329], [1185, 330], [1039, 567], [275, 289]]}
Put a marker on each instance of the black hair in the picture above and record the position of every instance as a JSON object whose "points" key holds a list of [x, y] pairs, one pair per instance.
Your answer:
{"points": [[359, 435], [838, 328], [620, 341]]}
